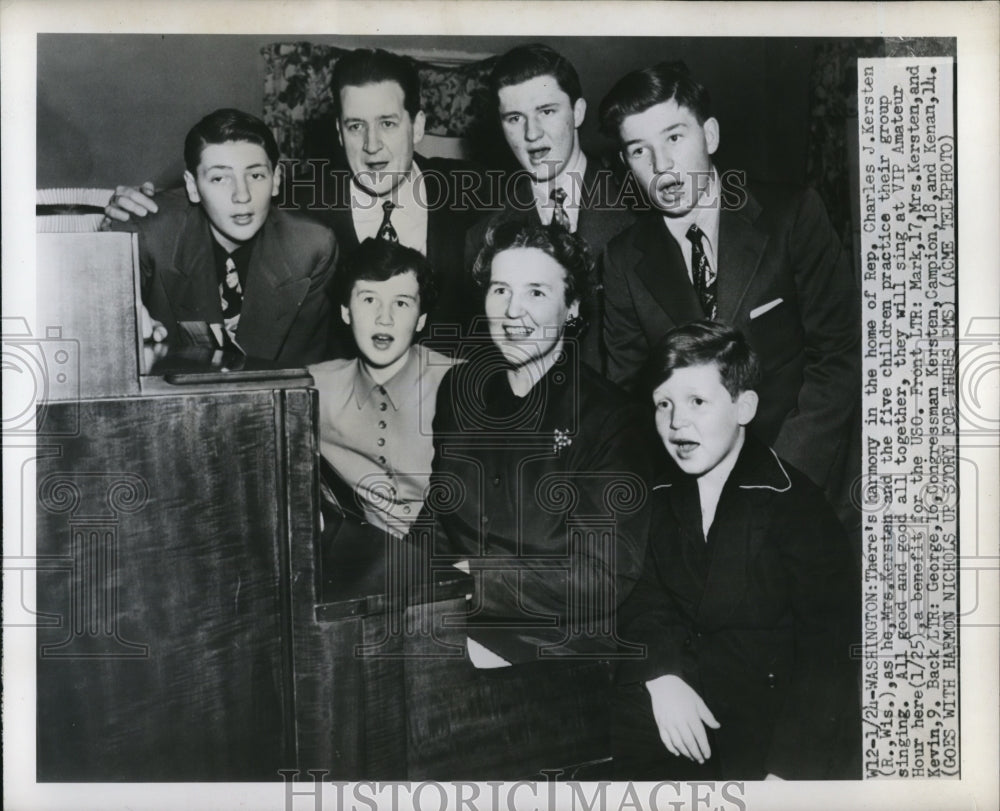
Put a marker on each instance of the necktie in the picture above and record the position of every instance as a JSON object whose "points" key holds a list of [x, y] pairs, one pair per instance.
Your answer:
{"points": [[231, 293], [702, 272], [385, 230], [559, 215]]}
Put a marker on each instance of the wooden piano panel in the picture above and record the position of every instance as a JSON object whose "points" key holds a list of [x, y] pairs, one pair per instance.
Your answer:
{"points": [[170, 518]]}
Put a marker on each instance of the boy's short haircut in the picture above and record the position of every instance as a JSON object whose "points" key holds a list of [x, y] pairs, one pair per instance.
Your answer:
{"points": [[700, 343], [526, 62], [641, 89], [366, 66], [378, 260], [568, 250], [225, 125]]}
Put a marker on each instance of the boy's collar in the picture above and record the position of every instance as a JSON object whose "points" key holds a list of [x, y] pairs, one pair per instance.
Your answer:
{"points": [[757, 468]]}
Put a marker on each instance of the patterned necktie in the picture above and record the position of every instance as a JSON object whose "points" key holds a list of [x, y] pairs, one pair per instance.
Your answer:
{"points": [[559, 215], [702, 272], [231, 291], [385, 230]]}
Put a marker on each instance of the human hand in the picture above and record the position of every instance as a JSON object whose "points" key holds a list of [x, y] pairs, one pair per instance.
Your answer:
{"points": [[152, 330], [681, 717], [128, 201]]}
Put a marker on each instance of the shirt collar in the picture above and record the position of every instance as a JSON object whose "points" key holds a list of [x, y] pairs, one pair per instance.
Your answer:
{"points": [[757, 468], [570, 180], [395, 389], [705, 215], [365, 206], [241, 257]]}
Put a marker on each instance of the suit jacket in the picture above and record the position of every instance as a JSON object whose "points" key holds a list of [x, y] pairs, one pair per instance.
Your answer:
{"points": [[286, 308], [602, 215], [786, 283], [326, 198], [759, 620]]}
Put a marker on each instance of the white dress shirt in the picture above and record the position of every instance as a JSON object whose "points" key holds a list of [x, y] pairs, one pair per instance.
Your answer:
{"points": [[409, 217], [706, 216], [570, 180]]}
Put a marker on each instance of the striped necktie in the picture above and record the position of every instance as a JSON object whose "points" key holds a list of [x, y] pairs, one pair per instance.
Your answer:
{"points": [[703, 275]]}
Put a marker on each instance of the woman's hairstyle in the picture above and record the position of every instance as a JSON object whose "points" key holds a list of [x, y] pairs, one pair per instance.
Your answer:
{"points": [[706, 342], [568, 250], [378, 260], [225, 125]]}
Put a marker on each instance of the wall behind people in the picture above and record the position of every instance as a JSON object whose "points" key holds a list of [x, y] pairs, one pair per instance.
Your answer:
{"points": [[115, 108]]}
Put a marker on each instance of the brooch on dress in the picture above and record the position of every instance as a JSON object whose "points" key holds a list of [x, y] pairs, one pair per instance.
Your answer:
{"points": [[560, 440]]}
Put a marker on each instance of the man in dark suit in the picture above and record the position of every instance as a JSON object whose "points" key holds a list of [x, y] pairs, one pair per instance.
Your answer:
{"points": [[762, 258], [541, 107], [388, 191], [218, 254], [431, 200]]}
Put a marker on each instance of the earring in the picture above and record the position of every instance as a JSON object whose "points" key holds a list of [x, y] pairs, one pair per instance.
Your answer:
{"points": [[574, 324]]}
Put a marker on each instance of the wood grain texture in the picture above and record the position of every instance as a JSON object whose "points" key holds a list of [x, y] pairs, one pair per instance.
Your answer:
{"points": [[175, 650]]}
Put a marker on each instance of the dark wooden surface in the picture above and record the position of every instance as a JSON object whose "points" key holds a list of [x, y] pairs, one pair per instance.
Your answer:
{"points": [[171, 515], [207, 634]]}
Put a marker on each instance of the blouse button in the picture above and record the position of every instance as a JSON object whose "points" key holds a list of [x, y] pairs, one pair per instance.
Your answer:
{"points": [[381, 424], [382, 406], [381, 460], [381, 441], [496, 481]]}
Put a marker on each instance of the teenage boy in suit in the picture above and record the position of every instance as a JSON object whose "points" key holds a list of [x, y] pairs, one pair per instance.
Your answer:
{"points": [[217, 254], [747, 603], [379, 123], [541, 107], [762, 258]]}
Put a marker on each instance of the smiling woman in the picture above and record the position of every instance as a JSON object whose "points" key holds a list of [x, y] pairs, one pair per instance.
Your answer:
{"points": [[550, 516]]}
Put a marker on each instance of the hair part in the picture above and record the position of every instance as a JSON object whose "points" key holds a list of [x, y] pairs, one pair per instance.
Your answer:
{"points": [[641, 89], [226, 125], [526, 62], [568, 250], [378, 260], [701, 343], [366, 66]]}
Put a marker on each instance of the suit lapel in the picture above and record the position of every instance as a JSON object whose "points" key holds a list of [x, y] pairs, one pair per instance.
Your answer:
{"points": [[740, 528], [662, 269], [736, 528], [191, 283], [437, 221], [741, 247], [273, 295]]}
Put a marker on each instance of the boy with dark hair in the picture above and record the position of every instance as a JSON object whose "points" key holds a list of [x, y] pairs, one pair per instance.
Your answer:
{"points": [[385, 190], [761, 257], [217, 254], [540, 107], [747, 604], [375, 411]]}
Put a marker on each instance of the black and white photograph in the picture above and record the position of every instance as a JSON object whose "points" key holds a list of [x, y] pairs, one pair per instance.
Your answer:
{"points": [[501, 405]]}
